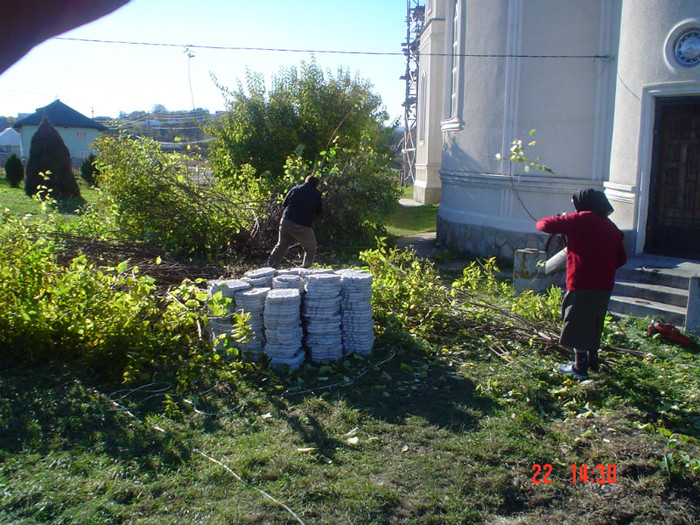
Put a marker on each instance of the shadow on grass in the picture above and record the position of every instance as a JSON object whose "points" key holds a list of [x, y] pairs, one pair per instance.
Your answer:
{"points": [[52, 408], [70, 205], [393, 385]]}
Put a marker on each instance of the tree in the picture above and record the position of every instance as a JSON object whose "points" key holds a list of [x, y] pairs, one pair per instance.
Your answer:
{"points": [[49, 164], [303, 112], [14, 170]]}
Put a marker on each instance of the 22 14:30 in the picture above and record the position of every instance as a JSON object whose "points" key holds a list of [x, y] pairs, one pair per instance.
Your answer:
{"points": [[601, 474]]}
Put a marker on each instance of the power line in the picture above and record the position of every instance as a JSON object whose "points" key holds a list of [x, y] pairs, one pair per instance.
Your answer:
{"points": [[324, 51]]}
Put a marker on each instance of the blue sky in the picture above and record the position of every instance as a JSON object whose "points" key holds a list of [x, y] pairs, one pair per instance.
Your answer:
{"points": [[100, 79]]}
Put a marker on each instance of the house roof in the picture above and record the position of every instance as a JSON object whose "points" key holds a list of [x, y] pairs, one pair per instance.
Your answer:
{"points": [[59, 115], [9, 137]]}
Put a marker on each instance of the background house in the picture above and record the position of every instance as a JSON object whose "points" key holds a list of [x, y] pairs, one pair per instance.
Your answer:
{"points": [[612, 88], [77, 131], [9, 144]]}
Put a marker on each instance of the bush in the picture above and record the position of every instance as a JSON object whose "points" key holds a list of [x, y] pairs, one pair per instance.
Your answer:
{"points": [[359, 192], [301, 113], [308, 122], [88, 170], [407, 291], [110, 319], [154, 198], [14, 170]]}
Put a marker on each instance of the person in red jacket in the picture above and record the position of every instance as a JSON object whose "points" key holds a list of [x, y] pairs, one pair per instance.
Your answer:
{"points": [[594, 252], [301, 205]]}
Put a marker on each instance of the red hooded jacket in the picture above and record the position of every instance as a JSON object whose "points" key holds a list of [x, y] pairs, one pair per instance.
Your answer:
{"points": [[594, 249]]}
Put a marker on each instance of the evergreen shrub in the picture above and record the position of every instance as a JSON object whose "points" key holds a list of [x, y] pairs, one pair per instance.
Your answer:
{"points": [[14, 170], [89, 171], [49, 165]]}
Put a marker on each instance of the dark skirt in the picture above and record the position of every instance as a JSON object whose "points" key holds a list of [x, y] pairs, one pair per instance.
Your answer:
{"points": [[583, 312]]}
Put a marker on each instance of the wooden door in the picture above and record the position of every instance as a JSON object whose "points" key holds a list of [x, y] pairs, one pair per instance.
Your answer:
{"points": [[673, 223]]}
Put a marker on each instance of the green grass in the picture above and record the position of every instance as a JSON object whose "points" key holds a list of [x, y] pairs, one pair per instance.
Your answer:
{"points": [[410, 220], [412, 434], [19, 203], [16, 200]]}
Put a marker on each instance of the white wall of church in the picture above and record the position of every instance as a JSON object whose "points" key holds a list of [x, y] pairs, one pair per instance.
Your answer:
{"points": [[647, 71], [509, 88]]}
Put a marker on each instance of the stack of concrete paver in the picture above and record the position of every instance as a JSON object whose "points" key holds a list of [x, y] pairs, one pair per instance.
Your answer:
{"points": [[330, 313], [260, 278], [283, 332], [218, 326], [356, 311], [228, 289], [253, 302], [288, 281], [321, 314]]}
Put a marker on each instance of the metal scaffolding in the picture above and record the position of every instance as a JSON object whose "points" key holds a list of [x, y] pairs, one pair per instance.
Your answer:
{"points": [[415, 18]]}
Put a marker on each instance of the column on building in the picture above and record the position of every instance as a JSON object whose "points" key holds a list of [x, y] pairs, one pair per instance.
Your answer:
{"points": [[431, 71]]}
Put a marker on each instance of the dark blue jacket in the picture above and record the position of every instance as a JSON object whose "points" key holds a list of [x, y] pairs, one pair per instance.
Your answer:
{"points": [[302, 204]]}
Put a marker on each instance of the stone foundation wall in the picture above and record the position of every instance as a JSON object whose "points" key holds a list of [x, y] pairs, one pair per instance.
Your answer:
{"points": [[486, 241]]}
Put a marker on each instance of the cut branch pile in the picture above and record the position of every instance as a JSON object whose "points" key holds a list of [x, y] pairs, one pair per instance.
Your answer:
{"points": [[150, 258], [504, 325], [498, 325]]}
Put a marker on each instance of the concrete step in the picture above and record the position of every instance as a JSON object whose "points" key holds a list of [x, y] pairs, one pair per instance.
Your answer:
{"points": [[654, 286], [623, 305], [658, 293], [654, 276]]}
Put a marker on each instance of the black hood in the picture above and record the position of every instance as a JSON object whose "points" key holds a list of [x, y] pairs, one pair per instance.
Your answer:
{"points": [[592, 200]]}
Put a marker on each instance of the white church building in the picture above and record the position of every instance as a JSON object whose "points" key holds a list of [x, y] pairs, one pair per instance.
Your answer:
{"points": [[612, 88]]}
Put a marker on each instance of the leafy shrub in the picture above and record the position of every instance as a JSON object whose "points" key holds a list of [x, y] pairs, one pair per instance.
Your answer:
{"points": [[308, 122], [88, 170], [407, 290], [359, 192], [110, 319], [155, 198], [544, 307], [14, 170], [300, 113]]}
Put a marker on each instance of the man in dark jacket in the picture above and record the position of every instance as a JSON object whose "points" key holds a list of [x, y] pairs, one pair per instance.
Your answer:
{"points": [[594, 252], [301, 205]]}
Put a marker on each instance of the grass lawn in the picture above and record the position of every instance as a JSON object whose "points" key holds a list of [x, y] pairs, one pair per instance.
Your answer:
{"points": [[18, 202], [415, 433], [409, 220]]}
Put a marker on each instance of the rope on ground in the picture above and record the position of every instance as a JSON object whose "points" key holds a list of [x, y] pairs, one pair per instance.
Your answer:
{"points": [[248, 484]]}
